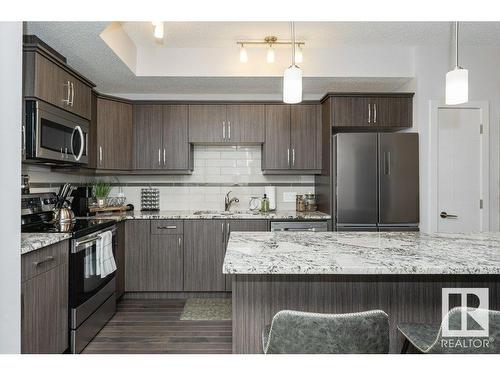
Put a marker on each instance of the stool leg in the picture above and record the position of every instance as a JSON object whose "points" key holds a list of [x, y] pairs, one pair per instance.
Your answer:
{"points": [[406, 344]]}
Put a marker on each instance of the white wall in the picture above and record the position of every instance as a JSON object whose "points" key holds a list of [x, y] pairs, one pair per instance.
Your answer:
{"points": [[431, 65], [10, 186]]}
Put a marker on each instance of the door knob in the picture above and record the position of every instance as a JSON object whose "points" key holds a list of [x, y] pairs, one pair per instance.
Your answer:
{"points": [[445, 215]]}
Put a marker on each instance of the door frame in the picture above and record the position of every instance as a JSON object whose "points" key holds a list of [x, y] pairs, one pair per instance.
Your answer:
{"points": [[484, 111]]}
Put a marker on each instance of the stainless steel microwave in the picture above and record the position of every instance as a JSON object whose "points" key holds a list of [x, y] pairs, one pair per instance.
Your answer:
{"points": [[54, 136]]}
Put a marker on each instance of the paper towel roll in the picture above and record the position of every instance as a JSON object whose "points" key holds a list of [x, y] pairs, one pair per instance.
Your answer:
{"points": [[271, 194]]}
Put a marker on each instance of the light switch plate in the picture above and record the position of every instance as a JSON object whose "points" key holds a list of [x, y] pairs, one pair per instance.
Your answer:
{"points": [[289, 196]]}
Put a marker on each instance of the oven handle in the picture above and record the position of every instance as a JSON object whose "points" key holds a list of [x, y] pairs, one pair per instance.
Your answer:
{"points": [[82, 142], [88, 240]]}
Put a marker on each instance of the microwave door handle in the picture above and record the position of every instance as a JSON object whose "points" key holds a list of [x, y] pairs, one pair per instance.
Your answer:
{"points": [[82, 142]]}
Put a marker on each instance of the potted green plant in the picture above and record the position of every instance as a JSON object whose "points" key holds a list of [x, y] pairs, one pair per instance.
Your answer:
{"points": [[100, 190]]}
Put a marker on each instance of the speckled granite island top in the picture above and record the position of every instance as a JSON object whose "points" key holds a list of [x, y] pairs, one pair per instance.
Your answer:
{"points": [[34, 241], [358, 253], [186, 215]]}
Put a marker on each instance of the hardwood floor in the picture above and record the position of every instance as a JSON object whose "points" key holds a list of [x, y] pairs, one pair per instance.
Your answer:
{"points": [[153, 327]]}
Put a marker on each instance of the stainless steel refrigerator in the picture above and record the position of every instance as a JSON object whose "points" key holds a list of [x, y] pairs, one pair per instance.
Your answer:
{"points": [[375, 181]]}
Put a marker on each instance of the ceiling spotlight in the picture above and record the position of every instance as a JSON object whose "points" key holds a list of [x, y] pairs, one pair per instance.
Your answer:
{"points": [[270, 54], [299, 58], [158, 29], [243, 54]]}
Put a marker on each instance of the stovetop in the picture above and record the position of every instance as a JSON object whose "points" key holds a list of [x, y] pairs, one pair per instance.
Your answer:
{"points": [[79, 228]]}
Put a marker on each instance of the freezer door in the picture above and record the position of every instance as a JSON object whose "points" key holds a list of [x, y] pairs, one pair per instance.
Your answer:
{"points": [[398, 178], [356, 178]]}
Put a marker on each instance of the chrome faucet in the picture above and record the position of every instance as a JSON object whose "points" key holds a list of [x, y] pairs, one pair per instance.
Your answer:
{"points": [[228, 202]]}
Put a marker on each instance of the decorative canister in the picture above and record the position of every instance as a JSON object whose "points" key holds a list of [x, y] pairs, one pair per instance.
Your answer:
{"points": [[310, 202], [300, 203]]}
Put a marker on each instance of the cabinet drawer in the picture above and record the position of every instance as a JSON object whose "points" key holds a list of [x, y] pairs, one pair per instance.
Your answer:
{"points": [[167, 227], [42, 260]]}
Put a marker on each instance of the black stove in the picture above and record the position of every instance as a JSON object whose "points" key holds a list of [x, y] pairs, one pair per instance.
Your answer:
{"points": [[38, 218]]}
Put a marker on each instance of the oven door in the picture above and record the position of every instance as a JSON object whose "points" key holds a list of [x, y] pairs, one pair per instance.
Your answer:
{"points": [[55, 135], [84, 281]]}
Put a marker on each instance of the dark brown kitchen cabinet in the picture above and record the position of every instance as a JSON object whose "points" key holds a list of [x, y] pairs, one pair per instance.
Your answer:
{"points": [[370, 111], [293, 143], [47, 77], [44, 300], [232, 123], [120, 260], [204, 247], [249, 225], [161, 138], [166, 260], [137, 255], [113, 129]]}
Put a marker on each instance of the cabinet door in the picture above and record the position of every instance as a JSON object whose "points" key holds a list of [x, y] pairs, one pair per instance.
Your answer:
{"points": [[245, 123], [148, 127], [277, 143], [249, 225], [137, 255], [305, 137], [204, 255], [392, 111], [207, 123], [351, 111], [166, 259], [120, 259], [44, 312], [80, 96], [176, 148], [107, 113], [123, 134]]}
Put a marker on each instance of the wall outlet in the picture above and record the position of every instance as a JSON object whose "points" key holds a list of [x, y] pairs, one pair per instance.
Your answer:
{"points": [[289, 196]]}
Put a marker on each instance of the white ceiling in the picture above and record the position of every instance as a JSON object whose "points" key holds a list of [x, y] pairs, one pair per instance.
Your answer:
{"points": [[80, 42]]}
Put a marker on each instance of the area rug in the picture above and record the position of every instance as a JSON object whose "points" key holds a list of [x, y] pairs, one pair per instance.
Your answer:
{"points": [[207, 309]]}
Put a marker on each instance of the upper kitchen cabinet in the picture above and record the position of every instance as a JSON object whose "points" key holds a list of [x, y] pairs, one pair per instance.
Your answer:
{"points": [[366, 112], [47, 77], [232, 123], [113, 134], [161, 138], [292, 141]]}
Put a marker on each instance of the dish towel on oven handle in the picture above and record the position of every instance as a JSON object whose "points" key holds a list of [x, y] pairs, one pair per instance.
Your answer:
{"points": [[105, 260]]}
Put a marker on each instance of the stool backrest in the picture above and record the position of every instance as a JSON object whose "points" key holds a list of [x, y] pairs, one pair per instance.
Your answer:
{"points": [[468, 344], [304, 332]]}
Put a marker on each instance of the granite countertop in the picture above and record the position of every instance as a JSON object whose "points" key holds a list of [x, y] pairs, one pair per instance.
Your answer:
{"points": [[362, 253], [34, 241], [186, 215]]}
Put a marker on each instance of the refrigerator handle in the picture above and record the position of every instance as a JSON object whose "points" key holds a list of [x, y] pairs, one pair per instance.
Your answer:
{"points": [[387, 163]]}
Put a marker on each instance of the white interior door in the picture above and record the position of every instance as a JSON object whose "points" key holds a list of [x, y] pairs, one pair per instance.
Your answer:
{"points": [[459, 170]]}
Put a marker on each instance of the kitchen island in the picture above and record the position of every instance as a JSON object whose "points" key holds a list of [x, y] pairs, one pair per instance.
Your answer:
{"points": [[402, 273]]}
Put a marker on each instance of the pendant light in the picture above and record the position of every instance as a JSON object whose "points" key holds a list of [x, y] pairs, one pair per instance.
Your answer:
{"points": [[457, 80], [292, 78], [243, 54], [270, 54], [158, 29]]}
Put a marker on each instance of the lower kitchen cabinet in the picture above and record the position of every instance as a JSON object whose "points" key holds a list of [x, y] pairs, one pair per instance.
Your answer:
{"points": [[120, 260], [204, 249], [44, 300], [137, 255], [166, 260]]}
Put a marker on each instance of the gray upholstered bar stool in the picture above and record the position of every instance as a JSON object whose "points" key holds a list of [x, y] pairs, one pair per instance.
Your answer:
{"points": [[428, 338], [296, 332]]}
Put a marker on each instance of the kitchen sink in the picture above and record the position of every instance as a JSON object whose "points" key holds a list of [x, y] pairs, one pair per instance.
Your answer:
{"points": [[225, 213]]}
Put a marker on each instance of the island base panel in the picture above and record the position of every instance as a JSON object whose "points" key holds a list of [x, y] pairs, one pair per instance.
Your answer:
{"points": [[405, 298]]}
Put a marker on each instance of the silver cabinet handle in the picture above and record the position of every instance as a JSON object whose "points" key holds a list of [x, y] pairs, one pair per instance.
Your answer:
{"points": [[387, 163], [229, 130], [375, 113], [72, 94], [62, 153], [293, 157], [445, 215], [288, 156], [164, 157], [48, 259], [168, 227], [100, 155], [180, 242], [67, 101], [223, 239], [369, 113], [224, 130], [159, 157]]}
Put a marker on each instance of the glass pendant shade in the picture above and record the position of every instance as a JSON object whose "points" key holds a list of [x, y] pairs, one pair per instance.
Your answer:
{"points": [[457, 86], [243, 55], [292, 85], [299, 58], [270, 55], [158, 30]]}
